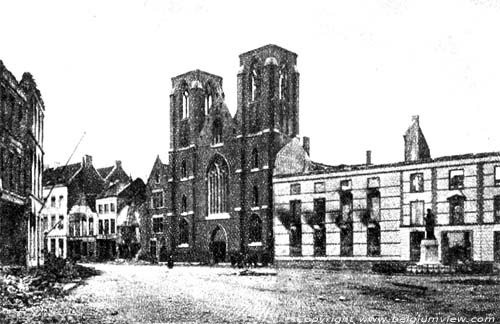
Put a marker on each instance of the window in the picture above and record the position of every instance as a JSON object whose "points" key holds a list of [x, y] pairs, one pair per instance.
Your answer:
{"points": [[255, 196], [60, 223], [113, 228], [185, 104], [183, 232], [106, 208], [456, 179], [152, 248], [295, 228], [373, 205], [319, 187], [157, 178], [77, 228], [208, 103], [295, 189], [416, 182], [254, 80], [496, 208], [183, 169], [217, 183], [318, 224], [373, 240], [84, 226], [52, 221], [91, 226], [283, 85], [157, 224], [53, 246], [106, 226], [345, 185], [101, 227], [61, 199], [346, 206], [100, 209], [45, 223], [112, 207], [346, 239], [255, 159], [216, 131], [184, 204], [255, 229], [497, 175], [456, 209], [157, 199], [496, 247], [52, 201], [417, 213]]}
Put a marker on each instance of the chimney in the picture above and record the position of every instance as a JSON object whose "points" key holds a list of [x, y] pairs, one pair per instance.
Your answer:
{"points": [[306, 144], [87, 160], [118, 163], [368, 157]]}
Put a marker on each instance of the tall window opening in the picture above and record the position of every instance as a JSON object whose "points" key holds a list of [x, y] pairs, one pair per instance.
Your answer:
{"points": [[255, 229], [255, 159], [218, 184], [456, 209], [183, 232], [185, 104], [295, 228], [373, 239], [374, 205], [319, 227], [254, 84], [183, 169], [255, 196], [184, 204], [346, 229], [216, 131]]}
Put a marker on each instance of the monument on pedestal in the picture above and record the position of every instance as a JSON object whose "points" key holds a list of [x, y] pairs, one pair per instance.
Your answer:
{"points": [[429, 246]]}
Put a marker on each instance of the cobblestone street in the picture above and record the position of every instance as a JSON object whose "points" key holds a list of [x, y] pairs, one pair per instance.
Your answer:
{"points": [[156, 294]]}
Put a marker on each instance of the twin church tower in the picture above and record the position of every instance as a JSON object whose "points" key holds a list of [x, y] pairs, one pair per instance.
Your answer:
{"points": [[219, 190]]}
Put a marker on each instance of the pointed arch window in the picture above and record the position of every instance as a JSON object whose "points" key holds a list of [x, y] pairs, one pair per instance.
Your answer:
{"points": [[184, 204], [216, 131], [183, 232], [255, 229], [183, 169], [255, 159], [255, 196], [185, 104], [218, 184]]}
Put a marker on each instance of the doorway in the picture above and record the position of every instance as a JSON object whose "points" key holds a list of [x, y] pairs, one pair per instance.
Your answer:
{"points": [[218, 244], [415, 241]]}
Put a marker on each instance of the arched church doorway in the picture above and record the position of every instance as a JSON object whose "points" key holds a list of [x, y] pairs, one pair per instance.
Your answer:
{"points": [[218, 244]]}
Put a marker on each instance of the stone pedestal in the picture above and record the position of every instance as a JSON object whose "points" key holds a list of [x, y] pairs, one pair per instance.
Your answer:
{"points": [[429, 252]]}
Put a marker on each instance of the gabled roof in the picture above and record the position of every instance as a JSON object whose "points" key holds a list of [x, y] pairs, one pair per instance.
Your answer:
{"points": [[114, 189], [104, 172], [60, 175]]}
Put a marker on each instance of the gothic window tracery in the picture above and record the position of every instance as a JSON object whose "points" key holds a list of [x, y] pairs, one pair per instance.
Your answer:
{"points": [[218, 183]]}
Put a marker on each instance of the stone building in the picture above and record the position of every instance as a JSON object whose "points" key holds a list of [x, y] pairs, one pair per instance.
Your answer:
{"points": [[376, 212], [217, 200], [21, 160]]}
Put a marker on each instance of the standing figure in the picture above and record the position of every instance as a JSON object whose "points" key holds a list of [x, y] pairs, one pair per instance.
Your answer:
{"points": [[430, 223]]}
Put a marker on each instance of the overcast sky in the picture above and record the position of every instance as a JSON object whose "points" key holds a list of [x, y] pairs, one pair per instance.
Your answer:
{"points": [[105, 68]]}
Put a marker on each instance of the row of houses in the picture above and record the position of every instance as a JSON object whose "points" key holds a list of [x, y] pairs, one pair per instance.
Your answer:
{"points": [[91, 213]]}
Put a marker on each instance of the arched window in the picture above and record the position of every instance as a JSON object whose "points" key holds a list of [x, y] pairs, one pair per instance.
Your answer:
{"points": [[254, 82], [217, 183], [183, 169], [255, 196], [183, 232], [184, 204], [255, 159], [255, 229], [216, 131], [185, 104]]}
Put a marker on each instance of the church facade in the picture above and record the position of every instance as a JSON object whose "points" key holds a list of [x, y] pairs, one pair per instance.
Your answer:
{"points": [[214, 199]]}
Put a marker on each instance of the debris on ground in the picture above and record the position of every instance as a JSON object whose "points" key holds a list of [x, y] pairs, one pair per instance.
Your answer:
{"points": [[20, 287], [258, 272]]}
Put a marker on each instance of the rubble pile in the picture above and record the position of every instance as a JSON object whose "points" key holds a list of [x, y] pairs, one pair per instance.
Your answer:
{"points": [[23, 288]]}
